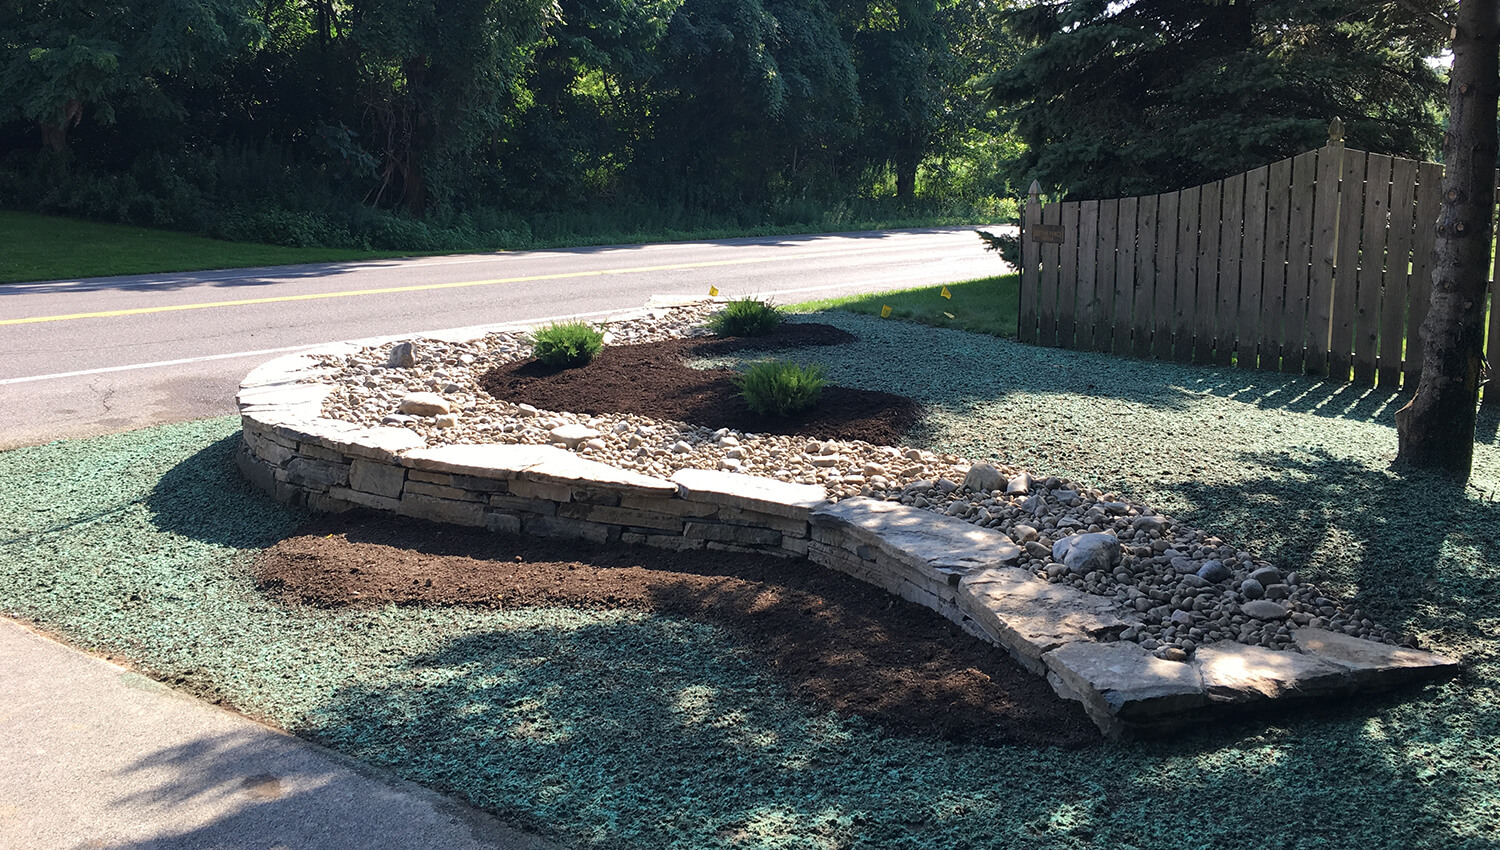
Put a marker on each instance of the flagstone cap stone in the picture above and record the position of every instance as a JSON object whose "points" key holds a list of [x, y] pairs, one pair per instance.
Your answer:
{"points": [[535, 463], [1031, 617], [919, 537], [1373, 665], [1121, 682], [751, 492]]}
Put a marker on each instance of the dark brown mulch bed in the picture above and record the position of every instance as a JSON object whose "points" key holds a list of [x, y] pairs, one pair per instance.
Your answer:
{"points": [[837, 643], [653, 379]]}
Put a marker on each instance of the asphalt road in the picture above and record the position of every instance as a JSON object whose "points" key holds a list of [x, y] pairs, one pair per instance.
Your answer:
{"points": [[88, 357]]}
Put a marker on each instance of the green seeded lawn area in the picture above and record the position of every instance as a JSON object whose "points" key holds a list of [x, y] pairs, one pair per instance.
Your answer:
{"points": [[614, 729]]}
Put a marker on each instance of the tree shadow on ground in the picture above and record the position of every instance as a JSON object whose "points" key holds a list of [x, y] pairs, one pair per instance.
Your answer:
{"points": [[259, 789], [206, 498], [833, 642], [631, 732], [1336, 519]]}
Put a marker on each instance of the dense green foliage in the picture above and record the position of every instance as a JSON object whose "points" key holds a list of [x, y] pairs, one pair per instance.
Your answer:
{"points": [[563, 345], [779, 388], [421, 125], [745, 317], [477, 123], [1119, 99]]}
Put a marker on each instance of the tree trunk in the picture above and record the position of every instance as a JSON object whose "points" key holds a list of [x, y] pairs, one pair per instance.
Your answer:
{"points": [[1436, 428]]}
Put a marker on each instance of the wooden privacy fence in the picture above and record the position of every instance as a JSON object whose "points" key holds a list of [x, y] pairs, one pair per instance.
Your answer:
{"points": [[1320, 264]]}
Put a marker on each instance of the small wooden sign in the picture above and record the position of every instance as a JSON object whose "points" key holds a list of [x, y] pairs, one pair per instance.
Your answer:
{"points": [[1050, 233]]}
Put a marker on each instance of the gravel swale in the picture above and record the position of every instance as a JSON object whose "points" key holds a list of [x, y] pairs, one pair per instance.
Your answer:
{"points": [[1187, 586]]}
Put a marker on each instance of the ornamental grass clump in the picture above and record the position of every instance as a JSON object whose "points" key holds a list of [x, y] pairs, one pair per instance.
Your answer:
{"points": [[746, 317], [778, 388], [566, 344]]}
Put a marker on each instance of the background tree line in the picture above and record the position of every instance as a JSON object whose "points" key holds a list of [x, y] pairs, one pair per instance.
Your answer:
{"points": [[484, 123]]}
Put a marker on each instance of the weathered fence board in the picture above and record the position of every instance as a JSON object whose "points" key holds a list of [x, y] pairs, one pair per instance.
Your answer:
{"points": [[1031, 256], [1299, 261], [1252, 263], [1273, 286], [1163, 312], [1209, 210], [1320, 264], [1346, 266], [1371, 267], [1145, 276], [1315, 339], [1231, 242], [1104, 283], [1187, 274], [1047, 298], [1068, 272], [1124, 274], [1086, 307]]}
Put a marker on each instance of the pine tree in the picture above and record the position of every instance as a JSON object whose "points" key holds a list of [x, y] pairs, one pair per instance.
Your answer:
{"points": [[1131, 98]]}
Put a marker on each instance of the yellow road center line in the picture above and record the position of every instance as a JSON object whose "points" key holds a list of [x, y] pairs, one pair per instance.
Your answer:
{"points": [[350, 293]]}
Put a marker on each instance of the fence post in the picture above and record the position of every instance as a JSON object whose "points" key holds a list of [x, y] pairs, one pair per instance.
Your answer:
{"points": [[1031, 276]]}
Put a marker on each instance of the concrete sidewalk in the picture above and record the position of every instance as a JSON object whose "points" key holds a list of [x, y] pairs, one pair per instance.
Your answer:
{"points": [[95, 756]]}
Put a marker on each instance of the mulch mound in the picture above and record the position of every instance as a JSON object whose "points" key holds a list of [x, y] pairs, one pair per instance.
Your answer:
{"points": [[653, 379], [837, 643]]}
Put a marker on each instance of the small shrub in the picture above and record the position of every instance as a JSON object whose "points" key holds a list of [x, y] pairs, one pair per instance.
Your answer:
{"points": [[745, 317], [1007, 245], [566, 344], [781, 389]]}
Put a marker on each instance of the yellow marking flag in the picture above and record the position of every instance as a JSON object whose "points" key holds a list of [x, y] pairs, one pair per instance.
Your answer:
{"points": [[885, 311], [945, 293], [713, 292], [950, 315]]}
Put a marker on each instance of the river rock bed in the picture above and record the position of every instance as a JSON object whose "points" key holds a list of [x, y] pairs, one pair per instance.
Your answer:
{"points": [[1187, 587]]}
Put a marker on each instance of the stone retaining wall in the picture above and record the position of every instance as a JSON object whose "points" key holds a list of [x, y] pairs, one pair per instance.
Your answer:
{"points": [[964, 571]]}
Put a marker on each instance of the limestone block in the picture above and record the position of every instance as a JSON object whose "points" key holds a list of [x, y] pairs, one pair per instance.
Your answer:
{"points": [[499, 521], [261, 476], [541, 490], [368, 500], [766, 495], [1373, 665], [1234, 672], [741, 534], [270, 451], [438, 491], [539, 464], [377, 478], [320, 474], [785, 525], [283, 395], [507, 502], [317, 452], [440, 478], [572, 529], [470, 482], [668, 505], [1121, 683], [1032, 617], [632, 518], [441, 510]]}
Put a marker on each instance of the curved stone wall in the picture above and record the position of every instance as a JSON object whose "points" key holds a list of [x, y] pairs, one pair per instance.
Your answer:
{"points": [[962, 570]]}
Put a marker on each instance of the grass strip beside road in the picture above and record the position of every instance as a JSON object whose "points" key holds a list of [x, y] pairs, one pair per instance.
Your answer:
{"points": [[43, 247], [988, 305]]}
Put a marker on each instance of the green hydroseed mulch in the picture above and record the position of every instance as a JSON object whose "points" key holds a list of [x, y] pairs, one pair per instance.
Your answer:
{"points": [[626, 730]]}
